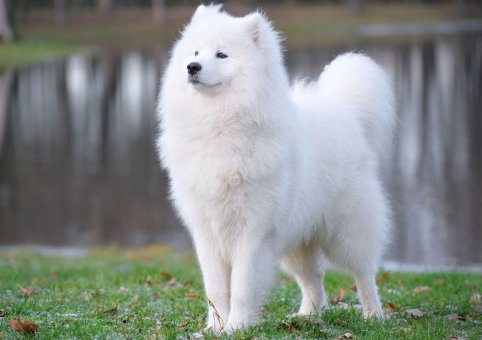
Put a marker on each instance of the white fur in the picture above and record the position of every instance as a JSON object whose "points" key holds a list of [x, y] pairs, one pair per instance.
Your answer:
{"points": [[262, 174]]}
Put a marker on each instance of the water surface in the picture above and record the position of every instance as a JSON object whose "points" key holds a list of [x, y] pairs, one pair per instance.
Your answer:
{"points": [[78, 165]]}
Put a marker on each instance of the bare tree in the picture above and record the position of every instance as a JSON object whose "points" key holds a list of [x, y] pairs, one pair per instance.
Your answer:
{"points": [[60, 11], [105, 6], [6, 31], [158, 10]]}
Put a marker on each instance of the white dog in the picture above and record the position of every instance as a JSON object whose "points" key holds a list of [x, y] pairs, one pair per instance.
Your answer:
{"points": [[264, 174]]}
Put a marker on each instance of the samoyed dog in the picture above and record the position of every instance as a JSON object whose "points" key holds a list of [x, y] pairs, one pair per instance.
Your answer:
{"points": [[264, 174]]}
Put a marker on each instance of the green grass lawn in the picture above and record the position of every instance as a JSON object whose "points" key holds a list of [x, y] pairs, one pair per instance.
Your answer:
{"points": [[155, 292]]}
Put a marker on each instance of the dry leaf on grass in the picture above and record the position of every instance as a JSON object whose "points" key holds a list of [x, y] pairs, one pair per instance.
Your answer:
{"points": [[353, 287], [111, 311], [390, 308], [135, 298], [439, 282], [197, 336], [26, 291], [455, 317], [165, 275], [422, 289], [413, 313], [23, 326], [191, 296], [88, 296], [337, 297], [171, 284], [346, 336], [383, 278], [476, 311], [475, 299]]}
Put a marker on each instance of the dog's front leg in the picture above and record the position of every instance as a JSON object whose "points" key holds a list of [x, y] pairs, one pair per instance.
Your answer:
{"points": [[253, 272], [216, 279]]}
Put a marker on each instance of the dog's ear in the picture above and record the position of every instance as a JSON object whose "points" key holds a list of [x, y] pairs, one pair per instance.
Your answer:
{"points": [[258, 26], [202, 10]]}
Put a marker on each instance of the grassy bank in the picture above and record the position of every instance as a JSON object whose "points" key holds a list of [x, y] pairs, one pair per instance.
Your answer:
{"points": [[304, 25], [157, 293]]}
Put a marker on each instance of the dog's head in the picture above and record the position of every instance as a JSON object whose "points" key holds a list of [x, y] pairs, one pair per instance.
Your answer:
{"points": [[219, 53]]}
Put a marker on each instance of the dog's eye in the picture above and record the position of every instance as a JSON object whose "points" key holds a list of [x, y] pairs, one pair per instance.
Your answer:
{"points": [[221, 55], [196, 53]]}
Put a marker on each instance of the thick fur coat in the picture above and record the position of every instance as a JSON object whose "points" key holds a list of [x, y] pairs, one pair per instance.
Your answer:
{"points": [[264, 174]]}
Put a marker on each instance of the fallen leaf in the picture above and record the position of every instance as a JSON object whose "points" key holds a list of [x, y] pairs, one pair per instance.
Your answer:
{"points": [[383, 278], [191, 296], [346, 336], [23, 326], [88, 296], [353, 287], [2, 313], [340, 322], [111, 311], [171, 284], [135, 298], [439, 282], [165, 275], [197, 336], [476, 311], [455, 317], [475, 299], [404, 330], [414, 312], [422, 289], [390, 308], [337, 297], [26, 292]]}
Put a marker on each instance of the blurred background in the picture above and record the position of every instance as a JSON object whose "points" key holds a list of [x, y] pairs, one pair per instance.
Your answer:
{"points": [[78, 86]]}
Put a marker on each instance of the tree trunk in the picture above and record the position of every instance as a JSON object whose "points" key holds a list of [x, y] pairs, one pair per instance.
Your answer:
{"points": [[6, 80], [105, 6], [6, 31], [60, 12], [158, 11]]}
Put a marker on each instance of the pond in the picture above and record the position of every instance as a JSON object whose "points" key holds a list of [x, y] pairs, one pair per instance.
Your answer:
{"points": [[78, 167]]}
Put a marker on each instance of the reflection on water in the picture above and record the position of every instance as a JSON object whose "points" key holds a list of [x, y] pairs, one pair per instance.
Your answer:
{"points": [[78, 164]]}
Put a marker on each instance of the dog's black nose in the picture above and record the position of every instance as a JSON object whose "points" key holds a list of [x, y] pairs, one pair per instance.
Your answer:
{"points": [[194, 68]]}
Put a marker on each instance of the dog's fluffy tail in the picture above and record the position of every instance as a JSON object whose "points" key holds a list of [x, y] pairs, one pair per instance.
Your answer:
{"points": [[357, 80]]}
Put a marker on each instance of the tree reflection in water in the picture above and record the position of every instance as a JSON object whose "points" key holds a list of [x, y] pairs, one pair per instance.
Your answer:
{"points": [[78, 164]]}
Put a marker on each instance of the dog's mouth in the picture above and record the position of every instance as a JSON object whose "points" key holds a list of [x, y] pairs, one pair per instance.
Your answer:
{"points": [[193, 79]]}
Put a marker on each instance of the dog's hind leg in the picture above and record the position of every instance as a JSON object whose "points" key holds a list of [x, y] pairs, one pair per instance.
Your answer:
{"points": [[358, 237], [305, 264]]}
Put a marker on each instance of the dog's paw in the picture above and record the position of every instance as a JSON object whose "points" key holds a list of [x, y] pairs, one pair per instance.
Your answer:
{"points": [[376, 314], [233, 326]]}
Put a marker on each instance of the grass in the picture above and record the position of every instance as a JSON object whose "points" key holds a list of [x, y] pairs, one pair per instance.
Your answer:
{"points": [[25, 52], [303, 26], [155, 292]]}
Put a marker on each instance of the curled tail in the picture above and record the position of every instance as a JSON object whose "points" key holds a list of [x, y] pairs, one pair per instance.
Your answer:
{"points": [[358, 81]]}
